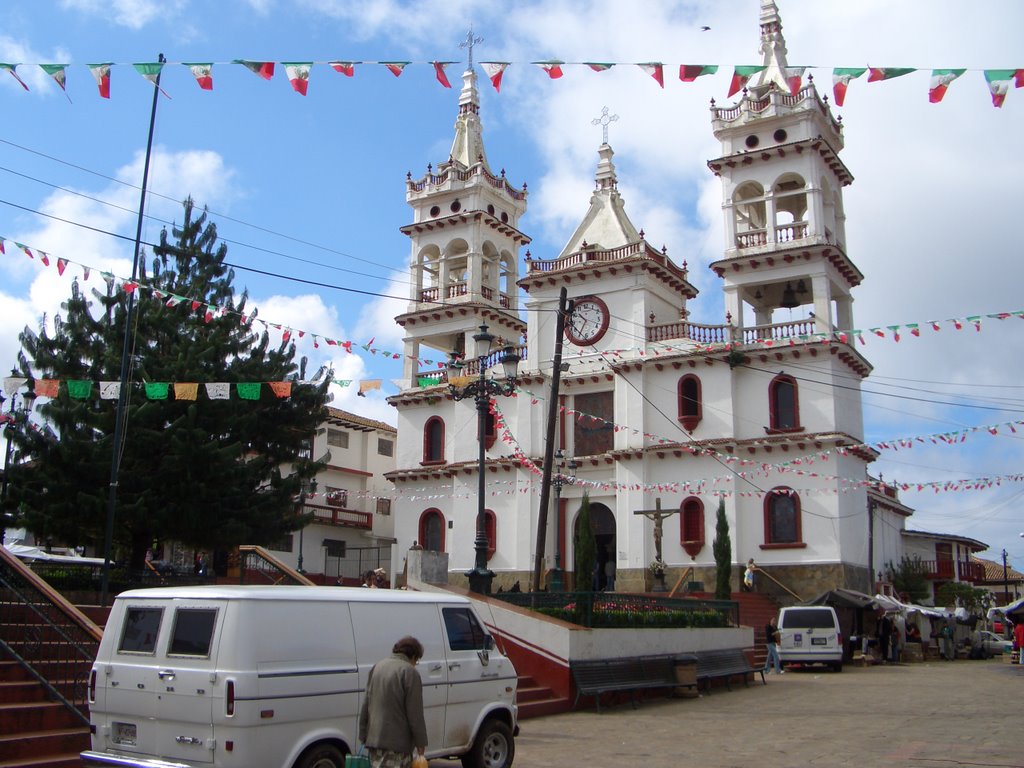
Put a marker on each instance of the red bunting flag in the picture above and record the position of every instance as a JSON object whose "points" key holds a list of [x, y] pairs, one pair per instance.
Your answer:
{"points": [[599, 66], [795, 79], [656, 70], [740, 77], [841, 77], [552, 67], [347, 68], [12, 68], [941, 80], [203, 73], [494, 70], [264, 69], [690, 72], [442, 78], [999, 81], [101, 73], [57, 72], [395, 67], [298, 74], [876, 74], [61, 266]]}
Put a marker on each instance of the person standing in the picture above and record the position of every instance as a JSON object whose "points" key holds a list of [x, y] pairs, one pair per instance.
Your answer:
{"points": [[772, 636], [391, 721], [1018, 636], [748, 576], [884, 635]]}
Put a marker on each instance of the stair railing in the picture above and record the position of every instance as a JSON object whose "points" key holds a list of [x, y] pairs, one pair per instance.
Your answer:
{"points": [[258, 564], [679, 582], [47, 635], [779, 584]]}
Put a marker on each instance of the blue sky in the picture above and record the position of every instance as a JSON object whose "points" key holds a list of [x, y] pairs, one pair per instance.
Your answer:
{"points": [[313, 187]]}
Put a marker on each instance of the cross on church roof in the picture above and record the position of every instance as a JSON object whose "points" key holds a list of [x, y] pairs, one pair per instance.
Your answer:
{"points": [[603, 121], [468, 43]]}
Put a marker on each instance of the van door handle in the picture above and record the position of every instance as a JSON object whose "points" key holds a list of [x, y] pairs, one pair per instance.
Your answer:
{"points": [[167, 674], [454, 665], [435, 667]]}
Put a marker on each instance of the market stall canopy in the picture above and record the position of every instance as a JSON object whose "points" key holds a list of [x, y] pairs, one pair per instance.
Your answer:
{"points": [[1015, 610], [845, 598], [30, 554]]}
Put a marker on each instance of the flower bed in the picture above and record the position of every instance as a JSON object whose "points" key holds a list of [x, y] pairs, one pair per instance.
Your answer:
{"points": [[615, 614]]}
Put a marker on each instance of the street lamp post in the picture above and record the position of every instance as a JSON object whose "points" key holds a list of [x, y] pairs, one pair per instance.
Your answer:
{"points": [[9, 421], [482, 390], [308, 486], [557, 577]]}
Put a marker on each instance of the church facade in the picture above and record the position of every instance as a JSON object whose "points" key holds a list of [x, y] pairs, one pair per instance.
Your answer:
{"points": [[761, 414]]}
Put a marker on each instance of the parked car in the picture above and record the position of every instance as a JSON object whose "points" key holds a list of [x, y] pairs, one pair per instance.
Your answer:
{"points": [[994, 644]]}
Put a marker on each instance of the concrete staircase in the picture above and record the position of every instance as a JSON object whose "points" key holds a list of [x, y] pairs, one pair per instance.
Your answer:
{"points": [[755, 611], [536, 700], [35, 731]]}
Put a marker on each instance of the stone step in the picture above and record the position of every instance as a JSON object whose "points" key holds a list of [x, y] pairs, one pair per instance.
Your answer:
{"points": [[53, 742]]}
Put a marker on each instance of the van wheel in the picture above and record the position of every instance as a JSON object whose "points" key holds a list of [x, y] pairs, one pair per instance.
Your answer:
{"points": [[494, 747], [322, 756]]}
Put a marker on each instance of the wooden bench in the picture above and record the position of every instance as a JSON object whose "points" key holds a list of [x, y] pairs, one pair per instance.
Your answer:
{"points": [[596, 677], [726, 664]]}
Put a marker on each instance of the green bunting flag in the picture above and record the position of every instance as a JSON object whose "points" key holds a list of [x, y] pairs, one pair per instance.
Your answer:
{"points": [[12, 68], [740, 77], [941, 79], [599, 66], [690, 72], [999, 81], [57, 72], [202, 72], [157, 390], [887, 73], [248, 391], [264, 69], [79, 390], [841, 77], [101, 73], [298, 74]]}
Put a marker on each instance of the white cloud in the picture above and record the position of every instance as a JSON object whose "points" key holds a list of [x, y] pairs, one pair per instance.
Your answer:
{"points": [[134, 14]]}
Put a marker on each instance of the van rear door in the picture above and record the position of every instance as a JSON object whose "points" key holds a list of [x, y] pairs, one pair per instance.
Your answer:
{"points": [[186, 681]]}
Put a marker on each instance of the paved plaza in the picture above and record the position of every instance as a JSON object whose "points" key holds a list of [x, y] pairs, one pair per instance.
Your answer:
{"points": [[936, 714]]}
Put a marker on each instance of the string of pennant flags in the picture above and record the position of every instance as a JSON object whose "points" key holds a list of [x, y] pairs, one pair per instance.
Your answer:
{"points": [[710, 485], [81, 389], [209, 311], [998, 81]]}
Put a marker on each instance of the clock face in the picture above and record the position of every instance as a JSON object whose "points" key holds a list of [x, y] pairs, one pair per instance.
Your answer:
{"points": [[587, 322]]}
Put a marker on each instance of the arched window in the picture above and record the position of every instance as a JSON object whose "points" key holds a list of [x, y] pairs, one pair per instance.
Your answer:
{"points": [[433, 441], [690, 407], [691, 525], [783, 407], [491, 530], [782, 519], [432, 530]]}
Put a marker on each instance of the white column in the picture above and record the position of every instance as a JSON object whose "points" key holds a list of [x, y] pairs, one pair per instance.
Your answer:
{"points": [[844, 312], [822, 290], [734, 306]]}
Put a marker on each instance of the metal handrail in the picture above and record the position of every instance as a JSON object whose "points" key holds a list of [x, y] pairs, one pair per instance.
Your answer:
{"points": [[680, 580], [47, 635], [779, 583], [257, 560]]}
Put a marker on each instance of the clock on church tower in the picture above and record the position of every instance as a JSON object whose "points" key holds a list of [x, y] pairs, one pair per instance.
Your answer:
{"points": [[587, 321]]}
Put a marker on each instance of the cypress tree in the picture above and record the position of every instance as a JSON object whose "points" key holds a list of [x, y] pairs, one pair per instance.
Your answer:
{"points": [[584, 549], [206, 473], [722, 548]]}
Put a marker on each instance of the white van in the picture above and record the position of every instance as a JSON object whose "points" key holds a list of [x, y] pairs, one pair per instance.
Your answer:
{"points": [[273, 677], [810, 635]]}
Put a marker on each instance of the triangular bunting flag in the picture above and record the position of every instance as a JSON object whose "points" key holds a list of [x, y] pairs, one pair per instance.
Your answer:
{"points": [[740, 77], [795, 79], [62, 264], [347, 68], [494, 70], [999, 81], [690, 72], [12, 68], [298, 74], [202, 72], [57, 72], [442, 78], [395, 67], [841, 77], [598, 66], [875, 74], [101, 73], [941, 78], [553, 67], [656, 70], [264, 69], [151, 71]]}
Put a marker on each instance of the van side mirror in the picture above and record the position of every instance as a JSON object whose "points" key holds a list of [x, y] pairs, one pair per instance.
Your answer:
{"points": [[489, 643]]}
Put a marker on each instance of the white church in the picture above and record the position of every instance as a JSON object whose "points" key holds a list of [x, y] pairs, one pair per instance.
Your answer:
{"points": [[653, 410]]}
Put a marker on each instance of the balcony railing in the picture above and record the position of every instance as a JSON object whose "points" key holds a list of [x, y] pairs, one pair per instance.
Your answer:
{"points": [[946, 570], [784, 233], [702, 334], [455, 290], [587, 255], [344, 517], [777, 331]]}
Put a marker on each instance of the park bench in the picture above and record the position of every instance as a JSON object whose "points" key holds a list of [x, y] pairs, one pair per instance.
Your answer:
{"points": [[725, 663], [595, 677]]}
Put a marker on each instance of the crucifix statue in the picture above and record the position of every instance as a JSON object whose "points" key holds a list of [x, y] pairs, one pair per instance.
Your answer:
{"points": [[657, 515]]}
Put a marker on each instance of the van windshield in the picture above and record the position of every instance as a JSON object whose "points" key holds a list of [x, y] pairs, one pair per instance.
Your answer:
{"points": [[808, 618]]}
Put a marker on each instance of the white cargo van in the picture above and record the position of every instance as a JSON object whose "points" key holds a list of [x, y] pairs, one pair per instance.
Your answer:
{"points": [[273, 677], [810, 635]]}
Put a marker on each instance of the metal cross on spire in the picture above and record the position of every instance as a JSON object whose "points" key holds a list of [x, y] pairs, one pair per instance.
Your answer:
{"points": [[468, 43], [603, 121]]}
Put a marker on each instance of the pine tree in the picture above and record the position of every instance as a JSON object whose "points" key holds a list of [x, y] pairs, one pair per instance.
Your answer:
{"points": [[206, 473], [584, 549], [722, 548]]}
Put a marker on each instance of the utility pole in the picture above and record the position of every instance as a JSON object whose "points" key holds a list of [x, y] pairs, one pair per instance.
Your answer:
{"points": [[1006, 582]]}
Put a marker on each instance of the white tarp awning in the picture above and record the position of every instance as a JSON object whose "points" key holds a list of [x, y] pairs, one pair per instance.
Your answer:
{"points": [[30, 554]]}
